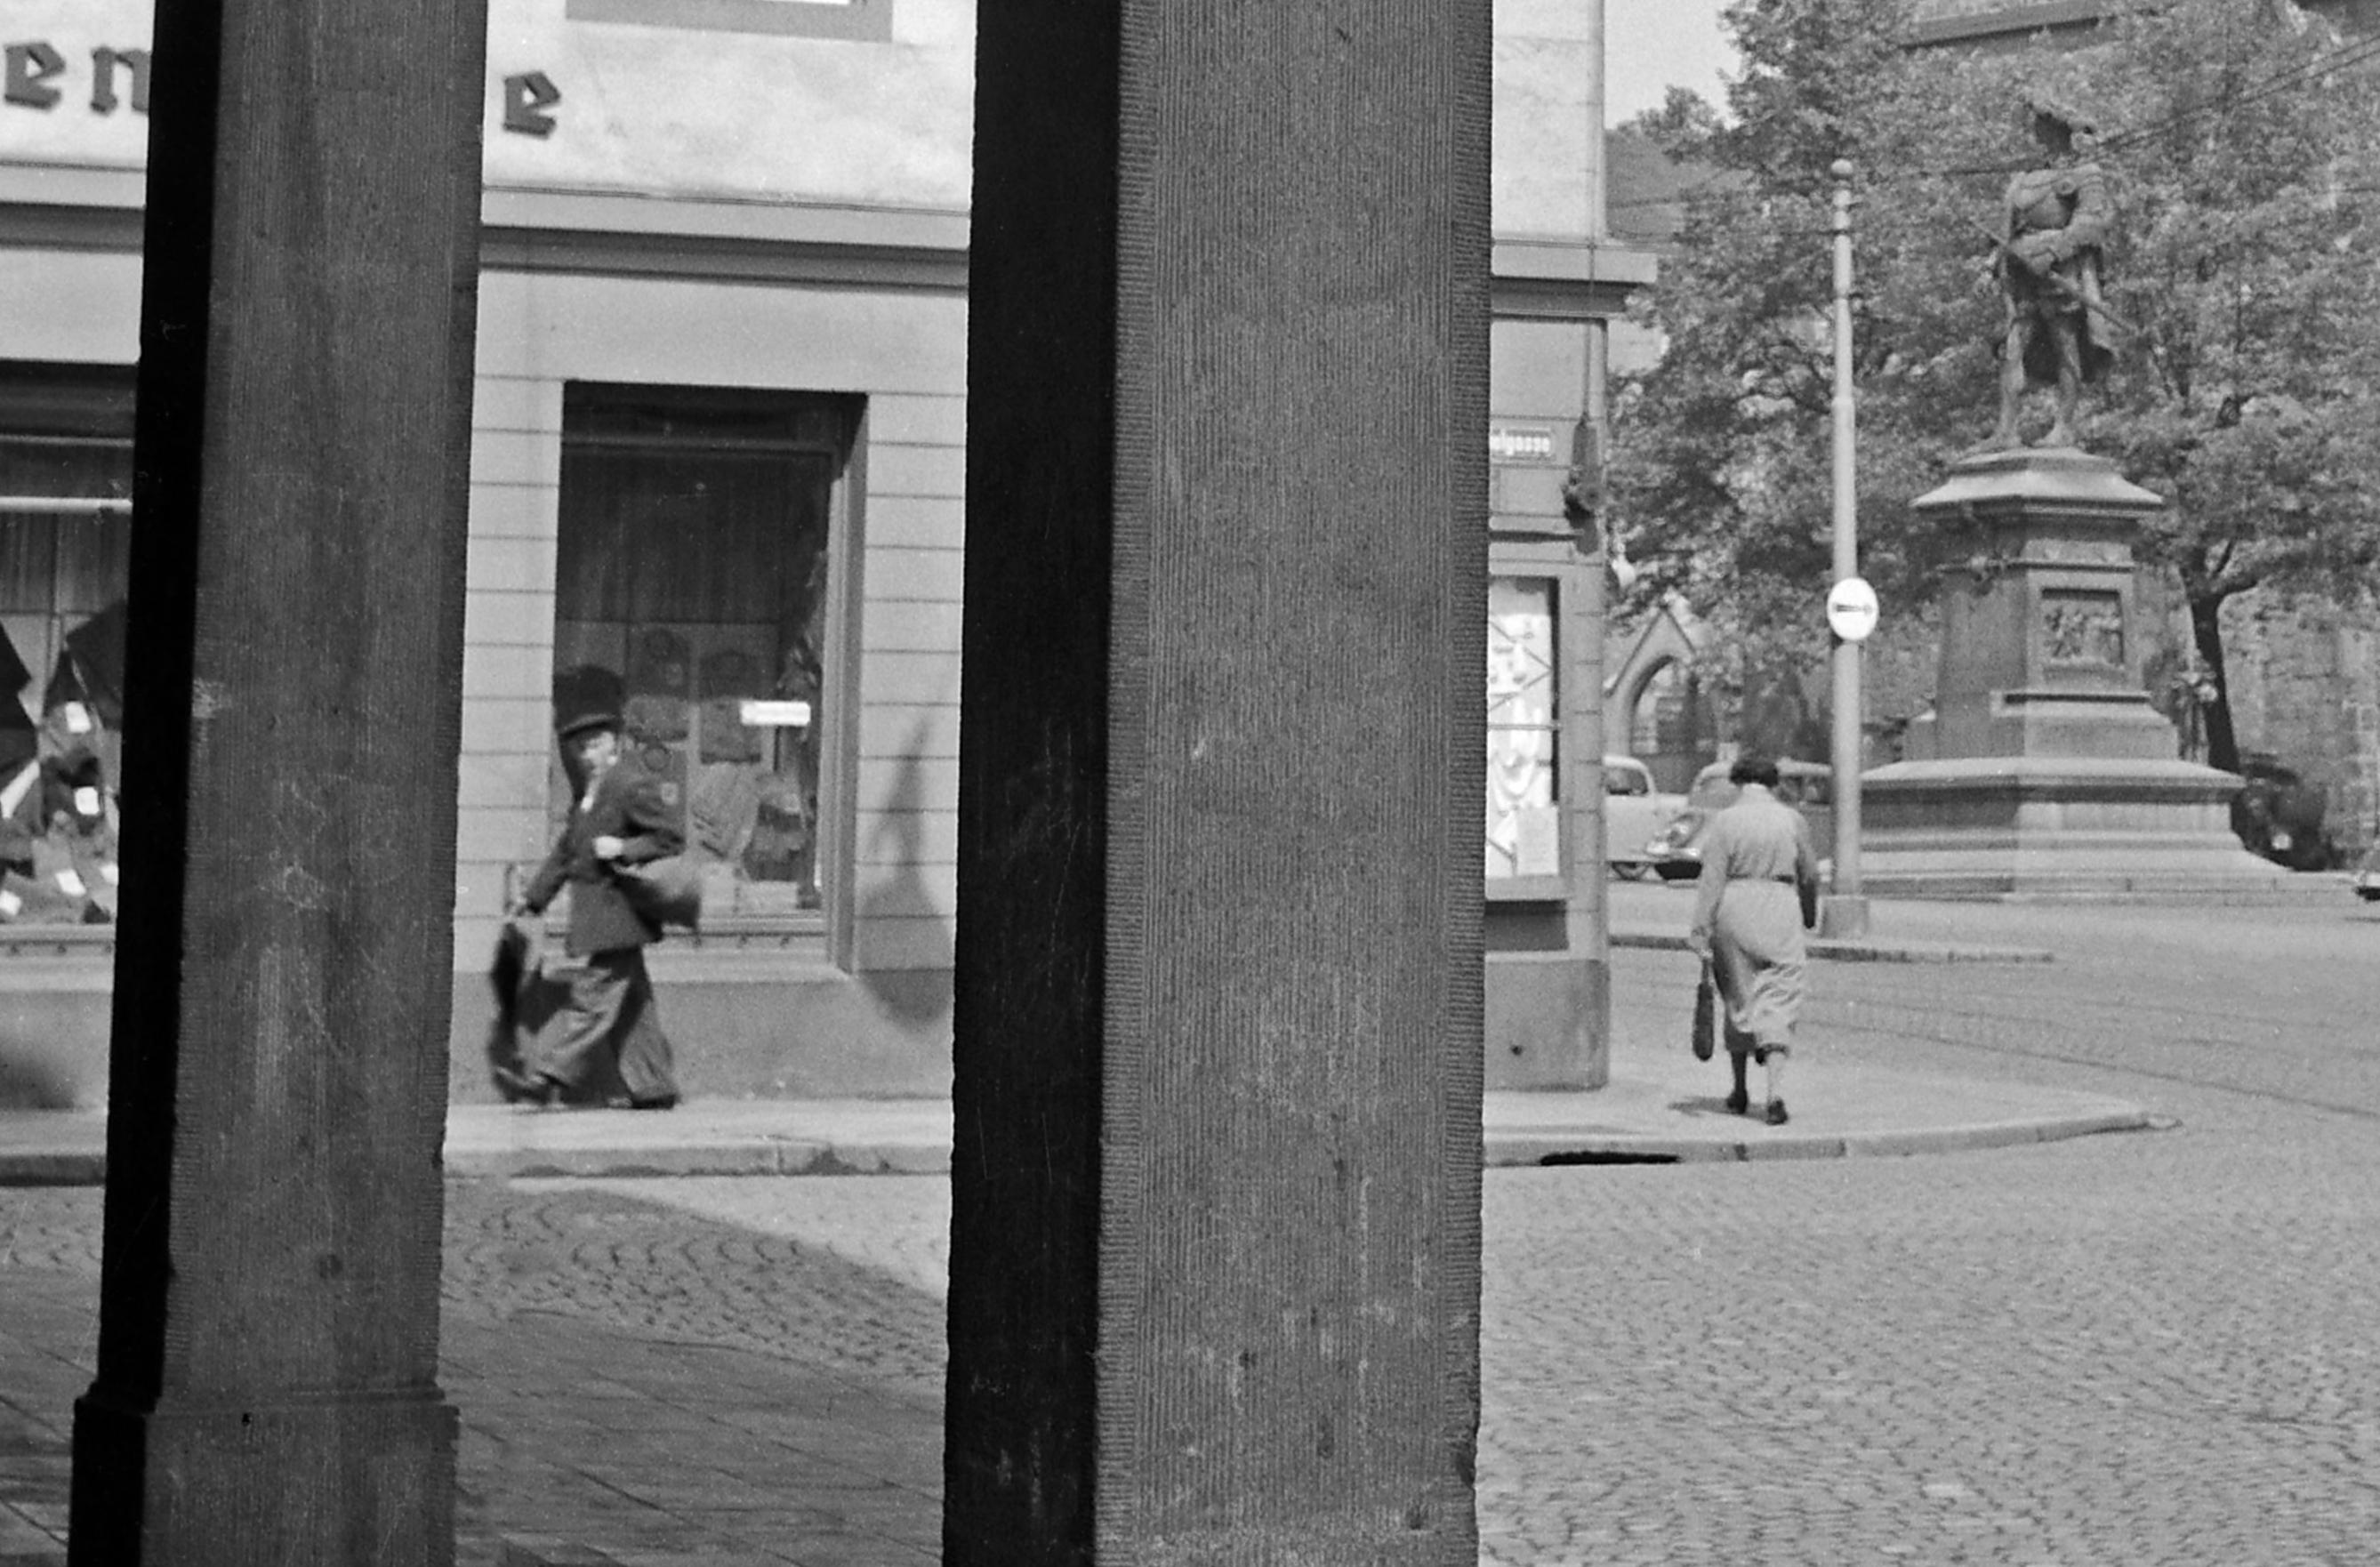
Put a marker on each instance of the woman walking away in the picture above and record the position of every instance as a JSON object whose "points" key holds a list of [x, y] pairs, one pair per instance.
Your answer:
{"points": [[1759, 875]]}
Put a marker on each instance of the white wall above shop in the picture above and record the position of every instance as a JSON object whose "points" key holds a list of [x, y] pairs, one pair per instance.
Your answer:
{"points": [[693, 103], [859, 103], [710, 99]]}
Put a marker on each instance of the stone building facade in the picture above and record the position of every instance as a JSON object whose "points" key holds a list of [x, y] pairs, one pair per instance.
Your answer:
{"points": [[717, 480]]}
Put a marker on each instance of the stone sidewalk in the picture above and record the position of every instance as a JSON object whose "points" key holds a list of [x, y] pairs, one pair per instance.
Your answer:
{"points": [[646, 1388], [1660, 1105]]}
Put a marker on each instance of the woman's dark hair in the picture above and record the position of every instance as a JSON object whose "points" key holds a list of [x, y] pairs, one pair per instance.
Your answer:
{"points": [[1754, 770]]}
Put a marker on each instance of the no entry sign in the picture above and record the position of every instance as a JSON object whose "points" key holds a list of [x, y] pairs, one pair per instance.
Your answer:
{"points": [[1851, 609]]}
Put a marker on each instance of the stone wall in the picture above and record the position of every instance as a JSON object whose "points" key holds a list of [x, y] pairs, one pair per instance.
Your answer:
{"points": [[2305, 687]]}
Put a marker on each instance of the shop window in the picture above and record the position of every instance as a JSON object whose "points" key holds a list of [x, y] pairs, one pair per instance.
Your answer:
{"points": [[66, 539], [695, 596], [1524, 799], [797, 18]]}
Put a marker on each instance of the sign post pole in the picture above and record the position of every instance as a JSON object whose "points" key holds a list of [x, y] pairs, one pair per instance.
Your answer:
{"points": [[1844, 911]]}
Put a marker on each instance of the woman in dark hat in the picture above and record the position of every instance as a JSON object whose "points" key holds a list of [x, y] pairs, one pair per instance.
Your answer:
{"points": [[622, 817]]}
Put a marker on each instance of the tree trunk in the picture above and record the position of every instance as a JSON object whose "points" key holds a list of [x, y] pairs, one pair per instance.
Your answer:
{"points": [[2206, 631]]}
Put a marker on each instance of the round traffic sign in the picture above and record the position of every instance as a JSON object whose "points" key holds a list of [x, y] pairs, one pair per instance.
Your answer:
{"points": [[1851, 609]]}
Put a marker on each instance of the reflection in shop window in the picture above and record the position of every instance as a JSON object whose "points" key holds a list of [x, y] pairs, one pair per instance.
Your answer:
{"points": [[1524, 817], [692, 598], [66, 539]]}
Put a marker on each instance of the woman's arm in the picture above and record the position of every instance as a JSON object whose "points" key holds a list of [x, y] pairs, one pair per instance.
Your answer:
{"points": [[1716, 846], [649, 824]]}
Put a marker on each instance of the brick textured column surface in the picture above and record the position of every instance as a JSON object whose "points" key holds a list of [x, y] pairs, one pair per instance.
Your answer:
{"points": [[1215, 1245], [269, 1323]]}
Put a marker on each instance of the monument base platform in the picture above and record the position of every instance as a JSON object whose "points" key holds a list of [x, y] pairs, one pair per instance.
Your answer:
{"points": [[2049, 828]]}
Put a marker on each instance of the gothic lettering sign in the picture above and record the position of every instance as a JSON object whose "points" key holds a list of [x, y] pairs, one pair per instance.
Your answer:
{"points": [[528, 97], [39, 74], [35, 75]]}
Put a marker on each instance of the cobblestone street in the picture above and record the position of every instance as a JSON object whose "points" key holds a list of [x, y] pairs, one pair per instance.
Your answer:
{"points": [[2128, 1350], [2154, 1348]]}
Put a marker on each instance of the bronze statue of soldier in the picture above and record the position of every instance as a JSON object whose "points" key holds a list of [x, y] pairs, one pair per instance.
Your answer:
{"points": [[2056, 219]]}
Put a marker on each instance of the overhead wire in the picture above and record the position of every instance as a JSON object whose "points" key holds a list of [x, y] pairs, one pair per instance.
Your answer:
{"points": [[2342, 56]]}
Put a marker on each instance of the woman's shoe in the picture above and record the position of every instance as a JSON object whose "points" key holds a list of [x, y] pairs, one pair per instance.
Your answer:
{"points": [[531, 1089], [659, 1102], [1776, 1112], [1739, 1102]]}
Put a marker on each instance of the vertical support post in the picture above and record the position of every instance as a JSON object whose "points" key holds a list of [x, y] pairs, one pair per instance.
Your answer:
{"points": [[1596, 403], [1586, 664], [1590, 907], [268, 1347], [1215, 1239], [1845, 911], [1585, 670]]}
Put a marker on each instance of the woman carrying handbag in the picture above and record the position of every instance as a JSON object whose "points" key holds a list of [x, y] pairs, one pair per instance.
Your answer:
{"points": [[1756, 897]]}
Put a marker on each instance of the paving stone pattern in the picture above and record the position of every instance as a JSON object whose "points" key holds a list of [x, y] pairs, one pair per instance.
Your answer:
{"points": [[2127, 1351], [637, 1386]]}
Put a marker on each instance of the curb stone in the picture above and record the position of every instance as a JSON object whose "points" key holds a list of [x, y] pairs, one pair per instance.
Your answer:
{"points": [[46, 1169], [1861, 952], [538, 1550], [1535, 1147], [1552, 1147]]}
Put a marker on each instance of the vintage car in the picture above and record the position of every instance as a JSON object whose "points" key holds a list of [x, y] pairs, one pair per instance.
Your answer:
{"points": [[1808, 786], [2279, 815], [2367, 875], [1633, 814]]}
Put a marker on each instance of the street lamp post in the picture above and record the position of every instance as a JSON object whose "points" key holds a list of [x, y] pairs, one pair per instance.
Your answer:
{"points": [[1844, 911]]}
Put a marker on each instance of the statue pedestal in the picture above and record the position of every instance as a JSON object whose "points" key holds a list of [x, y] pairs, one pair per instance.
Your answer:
{"points": [[2042, 769]]}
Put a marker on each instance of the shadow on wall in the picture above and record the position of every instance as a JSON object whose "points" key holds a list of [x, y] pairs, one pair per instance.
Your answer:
{"points": [[917, 992], [53, 1038], [40, 1082]]}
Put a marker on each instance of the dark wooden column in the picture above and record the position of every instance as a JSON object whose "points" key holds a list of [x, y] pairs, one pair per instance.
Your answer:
{"points": [[1215, 1250], [267, 1350]]}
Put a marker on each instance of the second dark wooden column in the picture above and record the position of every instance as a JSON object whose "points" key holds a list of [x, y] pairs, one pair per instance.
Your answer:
{"points": [[268, 1352], [1214, 1253]]}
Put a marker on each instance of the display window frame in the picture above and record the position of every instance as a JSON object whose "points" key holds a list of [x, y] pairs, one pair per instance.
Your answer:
{"points": [[1526, 853], [820, 431], [65, 522]]}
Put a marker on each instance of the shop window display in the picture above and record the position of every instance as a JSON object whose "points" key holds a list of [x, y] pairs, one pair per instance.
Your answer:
{"points": [[691, 597], [66, 535], [1524, 817]]}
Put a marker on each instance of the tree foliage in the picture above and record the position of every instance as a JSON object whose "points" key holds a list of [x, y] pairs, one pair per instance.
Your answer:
{"points": [[2241, 141]]}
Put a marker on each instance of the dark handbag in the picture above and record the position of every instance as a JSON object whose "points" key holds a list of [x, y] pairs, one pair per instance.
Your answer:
{"points": [[1705, 1014], [530, 995], [1808, 888], [663, 891]]}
